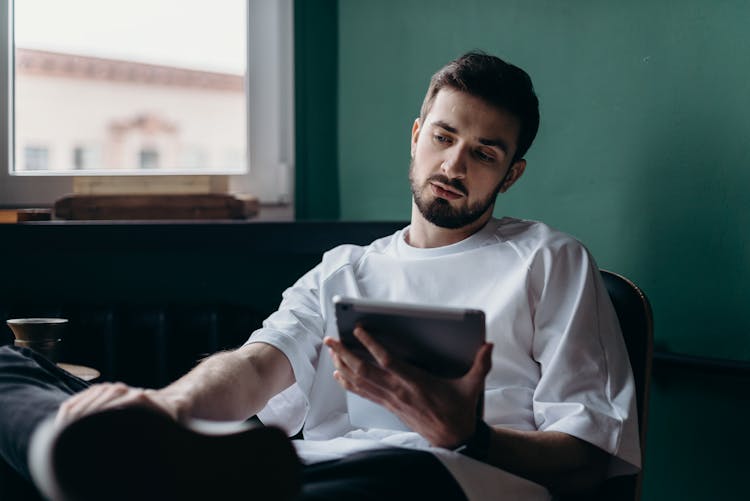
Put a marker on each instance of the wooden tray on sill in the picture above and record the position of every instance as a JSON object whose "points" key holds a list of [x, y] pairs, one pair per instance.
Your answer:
{"points": [[192, 206]]}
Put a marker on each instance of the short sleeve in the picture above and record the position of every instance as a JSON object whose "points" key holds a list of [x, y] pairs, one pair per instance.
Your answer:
{"points": [[586, 387], [296, 329]]}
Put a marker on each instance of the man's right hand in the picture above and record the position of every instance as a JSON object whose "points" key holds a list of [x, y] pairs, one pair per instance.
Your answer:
{"points": [[110, 395], [227, 386]]}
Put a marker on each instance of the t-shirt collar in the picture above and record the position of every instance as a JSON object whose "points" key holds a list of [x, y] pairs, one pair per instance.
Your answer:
{"points": [[471, 242]]}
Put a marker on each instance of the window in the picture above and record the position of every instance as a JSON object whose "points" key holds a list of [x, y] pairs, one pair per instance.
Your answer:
{"points": [[35, 158], [148, 159], [194, 157], [86, 158], [179, 109]]}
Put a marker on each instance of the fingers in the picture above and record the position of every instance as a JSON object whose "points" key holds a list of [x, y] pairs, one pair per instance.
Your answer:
{"points": [[106, 396], [350, 366], [382, 372], [362, 386], [342, 355], [359, 376], [481, 365], [380, 354], [89, 400]]}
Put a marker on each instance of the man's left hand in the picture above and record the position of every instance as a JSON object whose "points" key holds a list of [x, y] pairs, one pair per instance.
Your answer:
{"points": [[441, 410]]}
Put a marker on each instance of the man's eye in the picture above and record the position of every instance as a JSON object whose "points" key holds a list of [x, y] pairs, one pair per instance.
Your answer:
{"points": [[440, 139], [484, 157]]}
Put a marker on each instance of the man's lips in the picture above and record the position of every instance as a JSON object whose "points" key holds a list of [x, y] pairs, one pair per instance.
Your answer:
{"points": [[444, 191]]}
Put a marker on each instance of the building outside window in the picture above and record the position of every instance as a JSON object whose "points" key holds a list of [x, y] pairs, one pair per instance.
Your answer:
{"points": [[193, 157], [148, 159], [86, 158], [181, 80], [157, 85], [36, 158]]}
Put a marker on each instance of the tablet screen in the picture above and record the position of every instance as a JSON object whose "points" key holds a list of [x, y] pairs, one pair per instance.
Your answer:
{"points": [[443, 341], [440, 340]]}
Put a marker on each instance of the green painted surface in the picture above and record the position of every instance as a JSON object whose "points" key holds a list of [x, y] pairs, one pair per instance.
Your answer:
{"points": [[641, 153], [697, 448], [315, 68]]}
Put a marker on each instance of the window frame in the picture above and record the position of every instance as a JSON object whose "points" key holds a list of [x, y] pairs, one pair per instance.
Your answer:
{"points": [[269, 113]]}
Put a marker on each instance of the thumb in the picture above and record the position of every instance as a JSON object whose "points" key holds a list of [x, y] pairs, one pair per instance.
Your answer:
{"points": [[482, 363]]}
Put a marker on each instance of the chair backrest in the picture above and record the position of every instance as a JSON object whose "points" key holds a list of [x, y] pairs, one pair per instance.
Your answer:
{"points": [[636, 322]]}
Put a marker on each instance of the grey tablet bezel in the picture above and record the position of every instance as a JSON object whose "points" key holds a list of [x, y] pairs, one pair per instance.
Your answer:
{"points": [[440, 340]]}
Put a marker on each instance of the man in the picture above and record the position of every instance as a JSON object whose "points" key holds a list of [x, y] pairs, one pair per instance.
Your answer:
{"points": [[558, 393]]}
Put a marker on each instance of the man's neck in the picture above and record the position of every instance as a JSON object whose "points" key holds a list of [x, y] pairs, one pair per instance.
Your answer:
{"points": [[424, 235]]}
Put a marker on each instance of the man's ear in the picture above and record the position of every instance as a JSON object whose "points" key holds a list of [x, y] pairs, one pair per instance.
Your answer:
{"points": [[414, 136], [515, 171]]}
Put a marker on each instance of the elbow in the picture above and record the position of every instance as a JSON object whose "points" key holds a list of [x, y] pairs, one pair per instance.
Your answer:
{"points": [[583, 481]]}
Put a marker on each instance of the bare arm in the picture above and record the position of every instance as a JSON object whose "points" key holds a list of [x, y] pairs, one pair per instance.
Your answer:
{"points": [[560, 462], [441, 410], [230, 385]]}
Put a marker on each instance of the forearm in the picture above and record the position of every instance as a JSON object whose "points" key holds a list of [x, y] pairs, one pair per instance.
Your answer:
{"points": [[559, 461], [231, 385]]}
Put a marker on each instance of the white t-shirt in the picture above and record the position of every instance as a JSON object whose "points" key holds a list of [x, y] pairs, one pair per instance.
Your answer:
{"points": [[558, 363]]}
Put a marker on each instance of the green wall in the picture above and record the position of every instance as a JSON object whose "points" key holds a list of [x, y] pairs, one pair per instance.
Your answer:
{"points": [[641, 155], [315, 94], [641, 152]]}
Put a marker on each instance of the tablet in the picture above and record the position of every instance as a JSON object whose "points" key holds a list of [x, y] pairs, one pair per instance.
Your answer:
{"points": [[440, 340]]}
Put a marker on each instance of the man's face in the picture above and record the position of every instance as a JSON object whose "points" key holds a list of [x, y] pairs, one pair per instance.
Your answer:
{"points": [[460, 157]]}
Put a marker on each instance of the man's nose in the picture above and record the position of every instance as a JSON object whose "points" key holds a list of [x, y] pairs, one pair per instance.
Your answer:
{"points": [[454, 164]]}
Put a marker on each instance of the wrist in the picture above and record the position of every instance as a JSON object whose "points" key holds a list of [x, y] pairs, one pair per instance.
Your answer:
{"points": [[477, 446], [173, 403]]}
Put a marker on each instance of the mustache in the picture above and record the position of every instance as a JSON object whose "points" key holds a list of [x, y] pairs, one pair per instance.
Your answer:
{"points": [[453, 183]]}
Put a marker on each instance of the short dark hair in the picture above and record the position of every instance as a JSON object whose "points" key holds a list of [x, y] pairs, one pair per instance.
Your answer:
{"points": [[498, 83]]}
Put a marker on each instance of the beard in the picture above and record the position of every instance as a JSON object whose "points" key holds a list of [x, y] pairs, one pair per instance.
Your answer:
{"points": [[439, 211]]}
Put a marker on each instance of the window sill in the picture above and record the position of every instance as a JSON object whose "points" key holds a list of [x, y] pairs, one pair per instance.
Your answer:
{"points": [[266, 213]]}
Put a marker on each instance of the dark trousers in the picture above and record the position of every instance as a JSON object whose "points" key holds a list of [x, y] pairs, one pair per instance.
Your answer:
{"points": [[32, 388]]}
